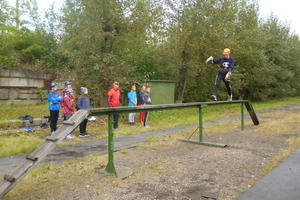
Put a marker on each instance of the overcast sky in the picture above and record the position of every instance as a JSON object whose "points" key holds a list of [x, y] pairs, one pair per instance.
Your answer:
{"points": [[286, 10]]}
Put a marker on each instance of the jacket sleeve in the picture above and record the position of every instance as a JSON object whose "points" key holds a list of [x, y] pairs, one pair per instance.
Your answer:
{"points": [[109, 98], [79, 103], [216, 61], [54, 99]]}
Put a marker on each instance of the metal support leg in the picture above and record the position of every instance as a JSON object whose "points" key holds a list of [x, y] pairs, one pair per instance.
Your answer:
{"points": [[201, 132], [201, 126], [110, 168], [242, 117]]}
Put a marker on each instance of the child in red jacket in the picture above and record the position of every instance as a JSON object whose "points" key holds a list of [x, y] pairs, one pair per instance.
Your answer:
{"points": [[68, 108], [67, 102], [114, 100]]}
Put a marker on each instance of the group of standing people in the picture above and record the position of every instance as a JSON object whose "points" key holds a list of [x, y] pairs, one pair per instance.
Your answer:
{"points": [[67, 101], [134, 99]]}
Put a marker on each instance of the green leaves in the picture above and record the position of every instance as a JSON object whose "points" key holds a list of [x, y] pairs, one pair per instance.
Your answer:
{"points": [[137, 40]]}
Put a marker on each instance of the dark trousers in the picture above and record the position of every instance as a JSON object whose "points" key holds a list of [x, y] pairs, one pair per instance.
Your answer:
{"points": [[116, 121], [53, 119], [146, 118], [82, 126], [221, 77]]}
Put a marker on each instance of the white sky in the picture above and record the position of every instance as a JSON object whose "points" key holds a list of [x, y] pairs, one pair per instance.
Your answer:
{"points": [[286, 10]]}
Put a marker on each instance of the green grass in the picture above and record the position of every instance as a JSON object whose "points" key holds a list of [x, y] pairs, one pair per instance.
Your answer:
{"points": [[24, 142], [18, 145], [13, 112]]}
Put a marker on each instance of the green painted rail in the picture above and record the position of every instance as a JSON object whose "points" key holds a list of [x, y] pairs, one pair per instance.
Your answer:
{"points": [[110, 168]]}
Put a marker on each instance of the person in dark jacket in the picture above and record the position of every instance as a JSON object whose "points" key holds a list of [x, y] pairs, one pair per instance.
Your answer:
{"points": [[114, 100], [226, 63], [54, 99], [142, 103], [147, 101], [83, 102]]}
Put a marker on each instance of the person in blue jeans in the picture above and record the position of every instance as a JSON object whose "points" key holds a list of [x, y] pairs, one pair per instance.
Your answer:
{"points": [[54, 99], [226, 63], [83, 102], [132, 101]]}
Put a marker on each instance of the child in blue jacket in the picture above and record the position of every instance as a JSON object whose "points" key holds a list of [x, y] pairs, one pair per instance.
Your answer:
{"points": [[54, 98], [132, 101]]}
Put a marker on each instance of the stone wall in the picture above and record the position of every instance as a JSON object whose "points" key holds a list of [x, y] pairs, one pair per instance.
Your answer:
{"points": [[22, 86]]}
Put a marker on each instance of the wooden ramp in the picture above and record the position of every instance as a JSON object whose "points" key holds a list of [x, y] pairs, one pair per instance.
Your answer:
{"points": [[31, 160]]}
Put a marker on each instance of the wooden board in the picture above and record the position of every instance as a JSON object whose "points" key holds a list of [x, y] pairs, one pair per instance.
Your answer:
{"points": [[10, 180]]}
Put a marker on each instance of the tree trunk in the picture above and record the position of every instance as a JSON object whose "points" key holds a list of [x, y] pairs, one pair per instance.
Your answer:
{"points": [[17, 17], [183, 72]]}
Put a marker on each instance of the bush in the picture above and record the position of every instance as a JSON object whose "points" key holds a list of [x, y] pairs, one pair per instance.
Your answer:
{"points": [[34, 51]]}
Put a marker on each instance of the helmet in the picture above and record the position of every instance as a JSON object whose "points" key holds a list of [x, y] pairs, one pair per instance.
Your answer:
{"points": [[226, 51], [68, 83], [83, 89], [53, 84], [68, 90]]}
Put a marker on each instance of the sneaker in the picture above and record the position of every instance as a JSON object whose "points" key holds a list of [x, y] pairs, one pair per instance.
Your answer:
{"points": [[53, 133], [229, 98], [69, 137], [82, 135], [214, 97], [147, 126], [92, 118]]}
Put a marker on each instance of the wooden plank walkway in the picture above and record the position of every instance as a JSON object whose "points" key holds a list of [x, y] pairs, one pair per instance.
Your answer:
{"points": [[10, 180]]}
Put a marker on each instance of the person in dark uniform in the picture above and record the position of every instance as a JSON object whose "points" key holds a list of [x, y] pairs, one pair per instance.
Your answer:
{"points": [[226, 63]]}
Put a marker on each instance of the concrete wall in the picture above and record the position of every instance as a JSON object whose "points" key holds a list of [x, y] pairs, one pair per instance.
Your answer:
{"points": [[21, 86]]}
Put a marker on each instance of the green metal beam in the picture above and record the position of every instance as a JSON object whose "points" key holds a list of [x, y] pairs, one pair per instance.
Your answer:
{"points": [[204, 143], [126, 109]]}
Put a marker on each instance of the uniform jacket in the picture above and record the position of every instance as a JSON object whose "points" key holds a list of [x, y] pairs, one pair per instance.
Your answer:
{"points": [[54, 98], [225, 64], [114, 97], [67, 104], [132, 97], [83, 102]]}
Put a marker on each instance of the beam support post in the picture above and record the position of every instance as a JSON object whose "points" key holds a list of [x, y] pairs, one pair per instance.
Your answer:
{"points": [[110, 167]]}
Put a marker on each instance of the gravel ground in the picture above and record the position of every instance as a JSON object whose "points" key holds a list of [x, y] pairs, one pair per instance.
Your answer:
{"points": [[166, 168]]}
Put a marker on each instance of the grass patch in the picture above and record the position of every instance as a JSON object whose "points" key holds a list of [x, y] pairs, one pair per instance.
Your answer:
{"points": [[13, 112], [18, 145], [294, 143]]}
